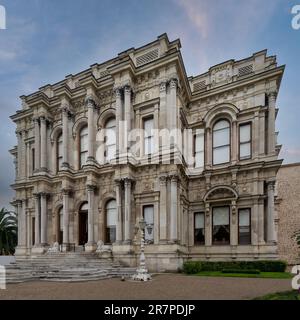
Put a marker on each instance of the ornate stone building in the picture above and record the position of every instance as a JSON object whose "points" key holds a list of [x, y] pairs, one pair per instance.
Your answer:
{"points": [[75, 190]]}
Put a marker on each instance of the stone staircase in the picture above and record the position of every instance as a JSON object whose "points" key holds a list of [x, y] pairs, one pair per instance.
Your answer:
{"points": [[67, 267]]}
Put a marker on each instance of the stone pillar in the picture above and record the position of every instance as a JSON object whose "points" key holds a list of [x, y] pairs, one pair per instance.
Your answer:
{"points": [[119, 236], [271, 123], [65, 163], [28, 162], [19, 214], [262, 134], [208, 225], [128, 109], [91, 131], [234, 152], [163, 209], [173, 104], [233, 225], [261, 222], [37, 152], [118, 121], [66, 237], [271, 233], [208, 148], [256, 140], [127, 184], [173, 211], [44, 219], [254, 223], [91, 196], [21, 154], [43, 143], [163, 105], [37, 220], [28, 229]]}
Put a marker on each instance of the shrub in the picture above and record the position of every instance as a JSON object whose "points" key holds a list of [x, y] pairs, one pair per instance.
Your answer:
{"points": [[192, 267], [245, 271]]}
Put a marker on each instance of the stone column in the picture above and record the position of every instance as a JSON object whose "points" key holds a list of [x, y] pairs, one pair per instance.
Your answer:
{"points": [[91, 196], [119, 236], [234, 149], [254, 223], [256, 140], [44, 219], [28, 229], [173, 104], [65, 163], [233, 225], [128, 109], [209, 150], [19, 137], [208, 225], [127, 184], [91, 131], [23, 224], [37, 220], [37, 152], [262, 134], [19, 214], [271, 233], [28, 149], [271, 123], [118, 121], [163, 209], [173, 211], [43, 143], [163, 105], [66, 238], [261, 222]]}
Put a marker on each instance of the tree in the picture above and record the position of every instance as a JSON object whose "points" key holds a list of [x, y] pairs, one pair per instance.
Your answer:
{"points": [[8, 232]]}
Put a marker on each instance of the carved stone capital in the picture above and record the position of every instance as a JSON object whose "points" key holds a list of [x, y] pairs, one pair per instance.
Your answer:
{"points": [[163, 180], [127, 90], [163, 86], [90, 102], [173, 83], [91, 187]]}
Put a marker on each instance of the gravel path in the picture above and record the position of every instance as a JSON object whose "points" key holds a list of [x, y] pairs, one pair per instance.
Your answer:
{"points": [[163, 287]]}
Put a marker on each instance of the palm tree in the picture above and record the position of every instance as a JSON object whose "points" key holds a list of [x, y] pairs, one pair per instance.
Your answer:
{"points": [[8, 232]]}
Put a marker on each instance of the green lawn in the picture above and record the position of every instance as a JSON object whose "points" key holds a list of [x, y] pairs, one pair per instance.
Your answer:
{"points": [[288, 295], [270, 275]]}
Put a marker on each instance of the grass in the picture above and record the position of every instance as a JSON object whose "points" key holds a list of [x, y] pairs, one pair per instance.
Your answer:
{"points": [[266, 275], [288, 295]]}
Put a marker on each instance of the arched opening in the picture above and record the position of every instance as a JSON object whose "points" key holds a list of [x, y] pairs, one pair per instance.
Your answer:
{"points": [[83, 224], [60, 226], [221, 142], [110, 140], [111, 221]]}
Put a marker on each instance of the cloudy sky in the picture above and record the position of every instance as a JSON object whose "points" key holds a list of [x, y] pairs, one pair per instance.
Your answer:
{"points": [[48, 39]]}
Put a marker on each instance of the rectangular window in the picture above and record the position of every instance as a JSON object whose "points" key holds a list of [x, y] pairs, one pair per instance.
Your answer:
{"points": [[244, 226], [149, 219], [199, 148], [33, 159], [245, 141], [199, 229], [148, 137], [221, 226], [221, 142]]}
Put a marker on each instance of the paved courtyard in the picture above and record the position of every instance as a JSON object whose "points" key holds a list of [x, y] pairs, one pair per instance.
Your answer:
{"points": [[165, 287]]}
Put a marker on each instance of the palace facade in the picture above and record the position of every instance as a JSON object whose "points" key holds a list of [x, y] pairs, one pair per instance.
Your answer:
{"points": [[207, 195]]}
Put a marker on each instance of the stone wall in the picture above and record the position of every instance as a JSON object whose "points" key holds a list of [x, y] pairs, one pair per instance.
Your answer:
{"points": [[288, 208]]}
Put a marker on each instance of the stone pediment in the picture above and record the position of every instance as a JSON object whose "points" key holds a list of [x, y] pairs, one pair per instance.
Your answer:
{"points": [[220, 193]]}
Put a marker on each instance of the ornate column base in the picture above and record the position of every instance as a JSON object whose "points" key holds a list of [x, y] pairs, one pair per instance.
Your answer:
{"points": [[38, 249], [142, 275], [90, 247], [21, 251]]}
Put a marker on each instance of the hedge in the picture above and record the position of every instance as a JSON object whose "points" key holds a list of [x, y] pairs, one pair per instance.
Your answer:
{"points": [[246, 271], [193, 267]]}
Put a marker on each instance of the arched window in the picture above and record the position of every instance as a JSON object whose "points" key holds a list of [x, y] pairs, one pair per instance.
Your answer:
{"points": [[111, 221], [60, 225], [83, 146], [59, 152], [110, 140], [221, 142]]}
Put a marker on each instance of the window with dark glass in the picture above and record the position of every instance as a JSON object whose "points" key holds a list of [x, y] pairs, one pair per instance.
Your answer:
{"points": [[221, 142], [221, 226], [148, 137], [83, 146], [245, 141], [244, 226], [59, 152], [199, 229], [60, 225], [111, 221]]}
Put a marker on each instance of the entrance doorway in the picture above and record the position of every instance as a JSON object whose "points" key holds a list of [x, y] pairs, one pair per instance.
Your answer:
{"points": [[83, 224]]}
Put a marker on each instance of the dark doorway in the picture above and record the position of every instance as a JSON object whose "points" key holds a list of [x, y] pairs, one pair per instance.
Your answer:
{"points": [[83, 225]]}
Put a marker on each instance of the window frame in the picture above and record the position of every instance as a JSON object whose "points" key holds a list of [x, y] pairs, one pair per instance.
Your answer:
{"points": [[212, 226], [194, 148], [248, 142], [250, 227], [229, 145], [150, 137], [58, 156], [105, 140], [196, 243], [80, 146], [153, 207], [107, 238]]}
